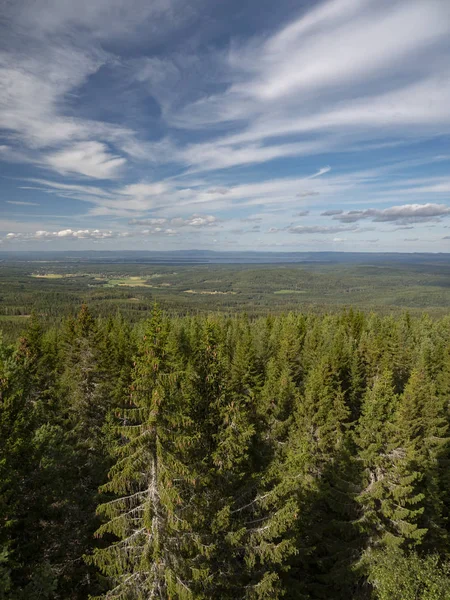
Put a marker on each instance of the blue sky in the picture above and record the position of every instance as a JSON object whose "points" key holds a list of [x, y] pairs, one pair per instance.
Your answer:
{"points": [[257, 125]]}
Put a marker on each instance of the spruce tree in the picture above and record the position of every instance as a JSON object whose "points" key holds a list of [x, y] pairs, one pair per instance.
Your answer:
{"points": [[321, 469], [250, 521], [373, 438], [400, 441], [421, 432], [157, 553], [395, 575]]}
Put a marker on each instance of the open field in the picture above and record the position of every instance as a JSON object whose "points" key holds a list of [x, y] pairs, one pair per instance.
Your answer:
{"points": [[125, 281], [282, 292]]}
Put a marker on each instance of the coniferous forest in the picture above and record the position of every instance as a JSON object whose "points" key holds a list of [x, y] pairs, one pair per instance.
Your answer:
{"points": [[224, 300], [200, 457]]}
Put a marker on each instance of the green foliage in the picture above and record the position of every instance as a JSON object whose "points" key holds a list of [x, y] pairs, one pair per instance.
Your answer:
{"points": [[5, 575], [296, 456], [56, 288], [152, 481], [398, 576]]}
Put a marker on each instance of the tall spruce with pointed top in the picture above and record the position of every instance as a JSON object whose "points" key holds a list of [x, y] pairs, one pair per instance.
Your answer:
{"points": [[232, 465], [16, 459], [157, 552], [400, 440], [320, 466], [421, 433], [243, 523], [373, 435]]}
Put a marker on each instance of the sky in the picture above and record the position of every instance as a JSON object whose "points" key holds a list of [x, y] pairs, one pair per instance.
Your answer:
{"points": [[295, 125]]}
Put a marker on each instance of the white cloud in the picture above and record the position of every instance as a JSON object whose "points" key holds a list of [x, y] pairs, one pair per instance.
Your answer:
{"points": [[212, 156], [343, 75], [52, 49], [80, 234], [84, 234], [31, 87], [91, 159], [144, 190], [104, 19], [254, 219], [345, 88], [193, 221], [320, 172], [218, 190], [329, 52], [407, 213], [437, 185], [332, 212], [20, 203], [172, 196], [148, 221], [307, 229], [307, 194]]}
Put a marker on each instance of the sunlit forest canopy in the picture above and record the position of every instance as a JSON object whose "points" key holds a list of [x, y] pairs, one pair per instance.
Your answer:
{"points": [[292, 456]]}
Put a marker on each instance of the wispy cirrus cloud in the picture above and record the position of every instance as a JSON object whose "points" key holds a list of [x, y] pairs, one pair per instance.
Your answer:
{"points": [[50, 50], [307, 194], [91, 159], [177, 133], [196, 221], [360, 92], [105, 20]]}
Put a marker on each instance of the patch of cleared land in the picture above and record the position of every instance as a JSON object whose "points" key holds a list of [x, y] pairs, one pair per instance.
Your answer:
{"points": [[129, 282], [290, 292], [209, 293], [58, 275]]}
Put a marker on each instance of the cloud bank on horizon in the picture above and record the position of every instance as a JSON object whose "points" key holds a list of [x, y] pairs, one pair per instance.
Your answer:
{"points": [[169, 124]]}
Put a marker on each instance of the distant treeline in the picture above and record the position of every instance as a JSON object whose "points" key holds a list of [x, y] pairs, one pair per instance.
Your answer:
{"points": [[297, 456], [54, 291]]}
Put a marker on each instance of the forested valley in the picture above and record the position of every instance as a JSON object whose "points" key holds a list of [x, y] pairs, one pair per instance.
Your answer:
{"points": [[296, 456]]}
